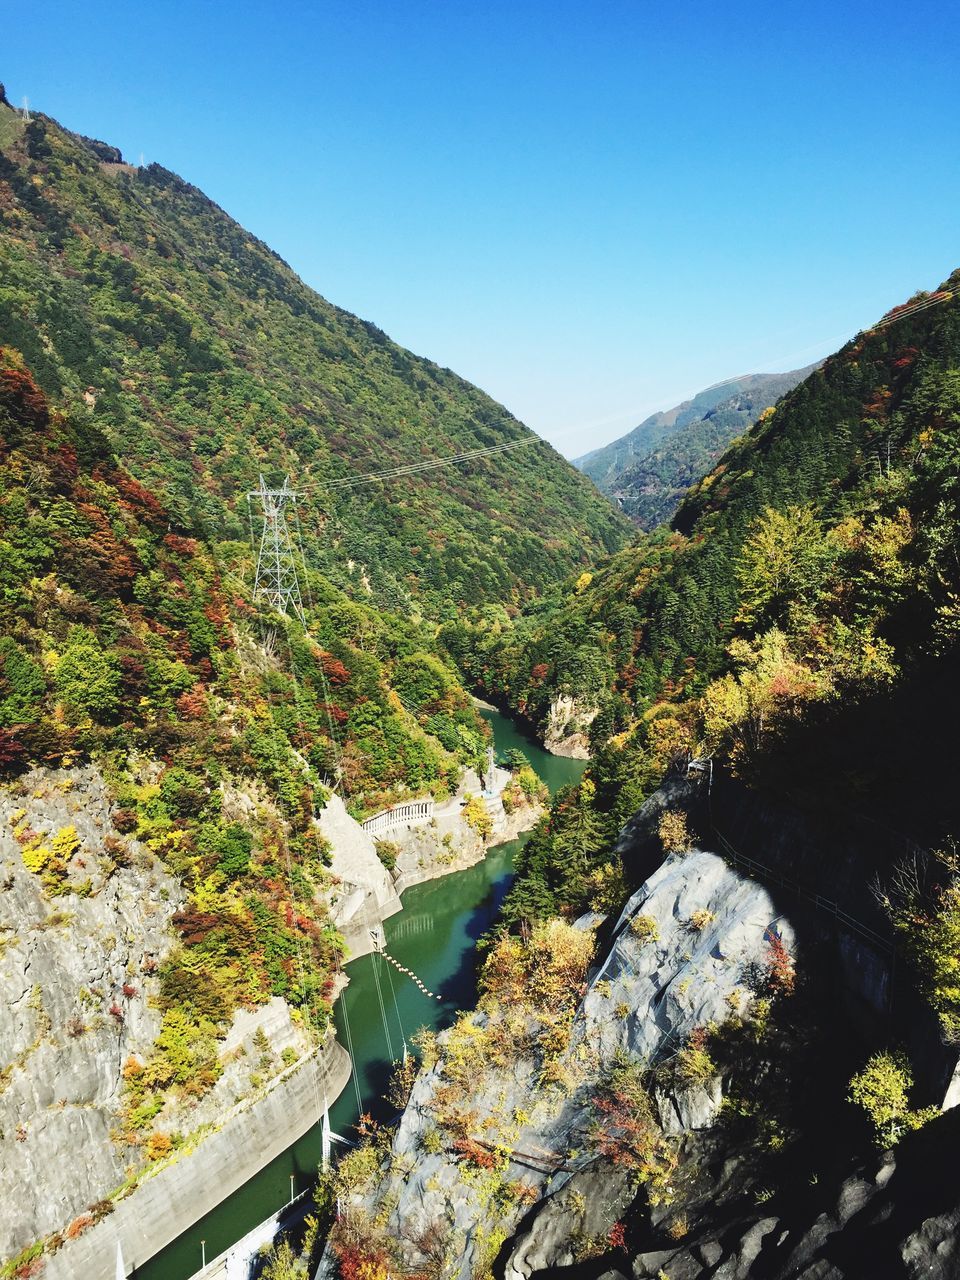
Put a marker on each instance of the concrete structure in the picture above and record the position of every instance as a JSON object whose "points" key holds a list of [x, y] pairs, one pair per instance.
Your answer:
{"points": [[234, 1263], [415, 813], [164, 1206]]}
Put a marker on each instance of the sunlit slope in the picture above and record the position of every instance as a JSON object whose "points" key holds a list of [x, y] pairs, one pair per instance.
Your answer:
{"points": [[205, 360]]}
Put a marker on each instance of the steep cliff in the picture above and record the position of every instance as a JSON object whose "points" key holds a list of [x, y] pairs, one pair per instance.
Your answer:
{"points": [[510, 1105], [86, 937]]}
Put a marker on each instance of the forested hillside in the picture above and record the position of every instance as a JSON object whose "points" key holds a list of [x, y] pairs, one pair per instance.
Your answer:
{"points": [[651, 489], [650, 468], [811, 575], [201, 355]]}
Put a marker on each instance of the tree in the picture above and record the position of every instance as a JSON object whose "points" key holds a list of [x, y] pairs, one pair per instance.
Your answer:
{"points": [[881, 1089], [783, 563], [86, 677], [21, 684]]}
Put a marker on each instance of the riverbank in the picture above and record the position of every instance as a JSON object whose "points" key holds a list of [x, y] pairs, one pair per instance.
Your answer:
{"points": [[434, 935], [254, 1133], [372, 873]]}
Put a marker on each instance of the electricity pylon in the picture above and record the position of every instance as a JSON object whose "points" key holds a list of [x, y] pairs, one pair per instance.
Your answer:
{"points": [[277, 581]]}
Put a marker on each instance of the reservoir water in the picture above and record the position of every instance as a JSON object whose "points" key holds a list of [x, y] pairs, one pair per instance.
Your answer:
{"points": [[435, 936]]}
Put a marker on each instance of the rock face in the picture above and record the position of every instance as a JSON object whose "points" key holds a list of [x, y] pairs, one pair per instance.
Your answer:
{"points": [[897, 1215], [679, 957], [79, 955], [66, 1024], [565, 732], [180, 1193]]}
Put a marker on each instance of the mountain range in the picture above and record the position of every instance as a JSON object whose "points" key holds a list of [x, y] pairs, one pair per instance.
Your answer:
{"points": [[648, 470]]}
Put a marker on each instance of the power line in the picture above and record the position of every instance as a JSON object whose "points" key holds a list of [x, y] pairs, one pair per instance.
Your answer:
{"points": [[412, 468]]}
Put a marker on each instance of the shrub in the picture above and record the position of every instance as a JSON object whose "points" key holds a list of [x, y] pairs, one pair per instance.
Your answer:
{"points": [[645, 928], [693, 1064], [476, 814], [387, 852], [700, 919], [928, 921], [515, 760], [882, 1089], [87, 678], [781, 972], [674, 833], [625, 1129], [158, 1146]]}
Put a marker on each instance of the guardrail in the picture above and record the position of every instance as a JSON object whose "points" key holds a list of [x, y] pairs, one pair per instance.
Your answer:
{"points": [[399, 815], [234, 1262]]}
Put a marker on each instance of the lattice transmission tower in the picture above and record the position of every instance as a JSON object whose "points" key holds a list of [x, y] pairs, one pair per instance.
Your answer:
{"points": [[277, 581]]}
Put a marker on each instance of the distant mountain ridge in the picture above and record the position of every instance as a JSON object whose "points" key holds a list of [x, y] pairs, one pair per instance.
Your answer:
{"points": [[648, 470]]}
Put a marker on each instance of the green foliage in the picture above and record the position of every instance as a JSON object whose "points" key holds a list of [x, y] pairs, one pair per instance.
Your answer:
{"points": [[22, 685], [926, 914], [86, 678], [554, 866], [210, 361], [284, 1262], [782, 566], [806, 589], [387, 852], [882, 1089], [523, 788]]}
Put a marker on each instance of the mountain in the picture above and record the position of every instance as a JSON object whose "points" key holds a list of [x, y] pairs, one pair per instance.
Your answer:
{"points": [[183, 769], [719, 1021], [205, 360], [648, 470], [658, 617]]}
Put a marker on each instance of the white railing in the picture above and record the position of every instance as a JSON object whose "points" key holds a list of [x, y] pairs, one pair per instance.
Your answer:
{"points": [[401, 815]]}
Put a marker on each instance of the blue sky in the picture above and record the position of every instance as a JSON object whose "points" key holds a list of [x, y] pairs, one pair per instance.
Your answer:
{"points": [[590, 209]]}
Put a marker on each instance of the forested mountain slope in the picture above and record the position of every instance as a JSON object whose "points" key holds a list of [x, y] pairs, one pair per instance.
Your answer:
{"points": [[650, 489], [202, 356], [853, 464], [778, 686], [650, 468]]}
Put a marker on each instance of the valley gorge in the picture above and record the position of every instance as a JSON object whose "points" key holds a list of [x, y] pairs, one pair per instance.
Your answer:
{"points": [[600, 886]]}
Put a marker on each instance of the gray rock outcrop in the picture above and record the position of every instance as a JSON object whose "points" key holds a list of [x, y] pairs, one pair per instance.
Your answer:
{"points": [[76, 978], [568, 722], [679, 958]]}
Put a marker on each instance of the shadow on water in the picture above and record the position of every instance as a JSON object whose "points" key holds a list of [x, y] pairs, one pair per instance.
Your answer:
{"points": [[435, 936]]}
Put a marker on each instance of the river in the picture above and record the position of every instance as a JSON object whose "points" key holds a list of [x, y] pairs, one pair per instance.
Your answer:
{"points": [[435, 936]]}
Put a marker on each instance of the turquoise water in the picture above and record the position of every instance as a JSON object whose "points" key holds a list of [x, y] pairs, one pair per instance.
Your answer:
{"points": [[435, 936]]}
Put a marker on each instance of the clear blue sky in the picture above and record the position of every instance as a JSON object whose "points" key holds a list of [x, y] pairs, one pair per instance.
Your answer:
{"points": [[591, 208]]}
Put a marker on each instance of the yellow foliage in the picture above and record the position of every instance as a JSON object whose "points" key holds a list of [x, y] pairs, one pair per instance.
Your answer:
{"points": [[645, 928], [475, 812], [158, 1146], [584, 581], [65, 843], [35, 857], [674, 833]]}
